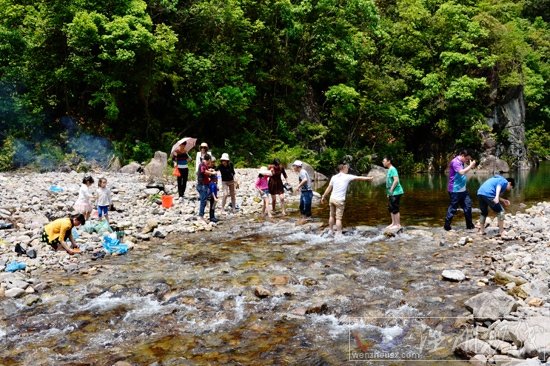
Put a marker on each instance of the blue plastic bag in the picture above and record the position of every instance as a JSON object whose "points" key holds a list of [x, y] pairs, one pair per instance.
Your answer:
{"points": [[113, 245], [15, 266], [75, 234], [56, 189]]}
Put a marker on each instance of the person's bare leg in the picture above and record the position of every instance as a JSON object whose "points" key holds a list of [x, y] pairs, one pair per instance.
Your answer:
{"points": [[282, 199], [273, 201], [397, 220], [338, 226], [500, 227]]}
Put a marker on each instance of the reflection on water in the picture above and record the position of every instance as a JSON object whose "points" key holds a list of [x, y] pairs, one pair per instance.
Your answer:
{"points": [[426, 199]]}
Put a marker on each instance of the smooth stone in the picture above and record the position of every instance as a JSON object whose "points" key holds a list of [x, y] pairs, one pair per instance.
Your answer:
{"points": [[14, 292], [453, 275]]}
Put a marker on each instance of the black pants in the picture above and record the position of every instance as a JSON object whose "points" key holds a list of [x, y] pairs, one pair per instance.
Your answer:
{"points": [[182, 181]]}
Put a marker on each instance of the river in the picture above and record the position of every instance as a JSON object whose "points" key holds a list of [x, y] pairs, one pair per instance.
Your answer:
{"points": [[191, 300]]}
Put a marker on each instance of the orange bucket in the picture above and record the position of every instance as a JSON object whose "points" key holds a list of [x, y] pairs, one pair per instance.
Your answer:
{"points": [[167, 201]]}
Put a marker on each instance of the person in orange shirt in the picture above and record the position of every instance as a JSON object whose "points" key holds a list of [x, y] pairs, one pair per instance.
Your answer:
{"points": [[57, 232]]}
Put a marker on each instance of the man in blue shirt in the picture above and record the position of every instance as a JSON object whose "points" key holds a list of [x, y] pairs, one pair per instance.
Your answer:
{"points": [[489, 196]]}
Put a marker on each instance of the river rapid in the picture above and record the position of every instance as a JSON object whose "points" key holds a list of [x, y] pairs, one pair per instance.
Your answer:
{"points": [[253, 292]]}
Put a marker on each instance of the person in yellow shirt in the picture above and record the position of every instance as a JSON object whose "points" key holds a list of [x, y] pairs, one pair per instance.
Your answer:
{"points": [[57, 232]]}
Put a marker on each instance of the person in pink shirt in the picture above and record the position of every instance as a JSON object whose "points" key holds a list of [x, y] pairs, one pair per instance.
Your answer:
{"points": [[262, 185]]}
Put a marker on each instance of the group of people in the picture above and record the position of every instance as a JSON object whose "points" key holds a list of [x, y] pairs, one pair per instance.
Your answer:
{"points": [[489, 194], [57, 232], [337, 189], [270, 185], [207, 178]]}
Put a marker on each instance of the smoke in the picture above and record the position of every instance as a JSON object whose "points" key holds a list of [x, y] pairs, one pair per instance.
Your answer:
{"points": [[24, 153], [92, 148]]}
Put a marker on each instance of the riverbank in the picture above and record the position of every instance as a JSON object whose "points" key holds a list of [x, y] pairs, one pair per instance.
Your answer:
{"points": [[28, 201], [513, 321]]}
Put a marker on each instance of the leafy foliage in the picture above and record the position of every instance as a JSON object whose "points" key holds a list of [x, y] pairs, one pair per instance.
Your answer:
{"points": [[311, 79]]}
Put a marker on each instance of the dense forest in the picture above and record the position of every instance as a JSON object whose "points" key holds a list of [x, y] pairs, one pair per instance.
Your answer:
{"points": [[308, 79]]}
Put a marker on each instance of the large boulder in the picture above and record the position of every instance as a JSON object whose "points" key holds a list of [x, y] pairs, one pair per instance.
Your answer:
{"points": [[155, 168], [491, 305], [378, 173], [493, 165], [474, 347], [131, 168], [314, 175], [531, 335]]}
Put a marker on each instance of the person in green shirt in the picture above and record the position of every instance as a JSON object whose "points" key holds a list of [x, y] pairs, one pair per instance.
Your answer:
{"points": [[394, 192]]}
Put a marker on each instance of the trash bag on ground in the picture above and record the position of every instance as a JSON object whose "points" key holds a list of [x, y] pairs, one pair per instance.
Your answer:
{"points": [[15, 266], [112, 245], [56, 189], [101, 227]]}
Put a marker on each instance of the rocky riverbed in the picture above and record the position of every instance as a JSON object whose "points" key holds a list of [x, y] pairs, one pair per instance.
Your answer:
{"points": [[28, 201], [226, 276], [513, 321]]}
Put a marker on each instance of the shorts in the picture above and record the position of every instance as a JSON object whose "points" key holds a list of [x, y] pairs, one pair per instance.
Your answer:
{"points": [[486, 202], [337, 208], [102, 210], [54, 243], [265, 193], [393, 203]]}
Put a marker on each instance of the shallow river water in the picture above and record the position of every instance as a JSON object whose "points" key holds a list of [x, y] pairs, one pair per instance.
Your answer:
{"points": [[192, 301]]}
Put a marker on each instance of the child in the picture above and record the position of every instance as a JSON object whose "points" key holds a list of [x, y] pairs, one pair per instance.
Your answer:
{"points": [[262, 185], [83, 204], [57, 232], [213, 187], [103, 199]]}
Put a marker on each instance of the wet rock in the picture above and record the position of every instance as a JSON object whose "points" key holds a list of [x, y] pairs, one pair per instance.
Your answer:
{"points": [[319, 307], [261, 292], [503, 278], [491, 305], [453, 275], [280, 280], [474, 347], [31, 300]]}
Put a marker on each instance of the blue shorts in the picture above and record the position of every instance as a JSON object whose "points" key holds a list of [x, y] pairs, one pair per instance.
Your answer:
{"points": [[102, 210]]}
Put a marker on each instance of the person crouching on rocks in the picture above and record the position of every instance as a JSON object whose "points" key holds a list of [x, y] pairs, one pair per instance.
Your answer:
{"points": [[489, 195], [57, 232]]}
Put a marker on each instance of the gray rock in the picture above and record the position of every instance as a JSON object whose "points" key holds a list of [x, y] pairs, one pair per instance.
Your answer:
{"points": [[157, 233], [14, 292], [453, 275], [31, 299], [491, 305], [17, 283], [473, 347], [131, 168], [156, 167]]}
